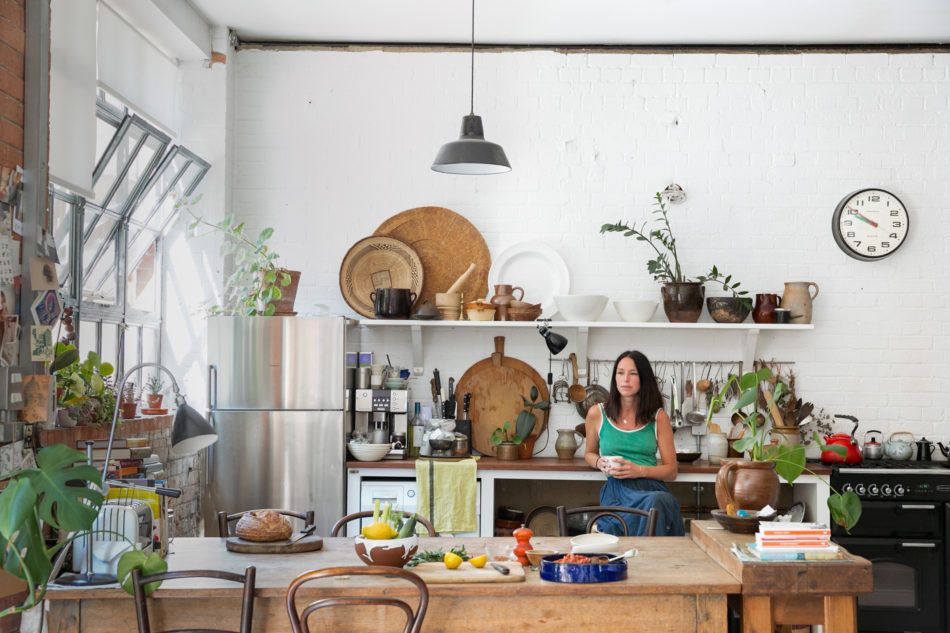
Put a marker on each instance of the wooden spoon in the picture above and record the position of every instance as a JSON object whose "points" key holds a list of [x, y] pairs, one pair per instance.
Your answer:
{"points": [[576, 392]]}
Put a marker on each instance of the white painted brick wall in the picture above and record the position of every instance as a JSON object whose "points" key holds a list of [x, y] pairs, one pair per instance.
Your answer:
{"points": [[327, 145]]}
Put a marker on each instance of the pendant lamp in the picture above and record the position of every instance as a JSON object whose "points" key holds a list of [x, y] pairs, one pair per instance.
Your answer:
{"points": [[471, 154]]}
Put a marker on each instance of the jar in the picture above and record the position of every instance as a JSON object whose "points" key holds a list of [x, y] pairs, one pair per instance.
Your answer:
{"points": [[717, 447], [460, 446]]}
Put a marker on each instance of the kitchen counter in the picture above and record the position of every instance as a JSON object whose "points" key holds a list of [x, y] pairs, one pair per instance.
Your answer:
{"points": [[810, 489], [672, 586]]}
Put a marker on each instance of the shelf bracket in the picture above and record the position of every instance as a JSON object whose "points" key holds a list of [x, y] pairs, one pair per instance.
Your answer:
{"points": [[582, 337], [748, 348], [415, 334]]}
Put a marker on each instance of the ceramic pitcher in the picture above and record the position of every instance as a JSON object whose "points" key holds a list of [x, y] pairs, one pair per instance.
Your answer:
{"points": [[504, 295], [566, 444], [797, 298], [765, 304]]}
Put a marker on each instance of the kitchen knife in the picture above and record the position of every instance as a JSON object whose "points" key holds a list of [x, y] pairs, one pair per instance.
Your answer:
{"points": [[501, 569], [435, 396], [466, 402], [438, 390], [302, 533]]}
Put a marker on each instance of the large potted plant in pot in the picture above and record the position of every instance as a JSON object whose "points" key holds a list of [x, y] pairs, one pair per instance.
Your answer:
{"points": [[258, 286], [526, 422], [754, 483], [682, 295]]}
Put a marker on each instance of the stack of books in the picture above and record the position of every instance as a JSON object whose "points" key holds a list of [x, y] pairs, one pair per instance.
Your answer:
{"points": [[130, 459], [794, 541]]}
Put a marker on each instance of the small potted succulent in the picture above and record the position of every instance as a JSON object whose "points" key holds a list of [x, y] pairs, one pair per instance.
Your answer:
{"points": [[154, 384]]}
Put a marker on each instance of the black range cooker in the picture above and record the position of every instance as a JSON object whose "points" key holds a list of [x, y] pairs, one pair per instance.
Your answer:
{"points": [[905, 532]]}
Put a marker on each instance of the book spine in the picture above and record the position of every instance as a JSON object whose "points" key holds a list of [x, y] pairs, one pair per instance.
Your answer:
{"points": [[800, 534], [781, 544]]}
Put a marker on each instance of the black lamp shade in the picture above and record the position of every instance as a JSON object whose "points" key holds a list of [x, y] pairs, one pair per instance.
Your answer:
{"points": [[555, 342], [190, 432], [471, 154]]}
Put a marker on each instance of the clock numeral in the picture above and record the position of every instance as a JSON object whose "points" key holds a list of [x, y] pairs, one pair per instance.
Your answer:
{"points": [[895, 213], [874, 198], [857, 243], [871, 249], [885, 244], [897, 224], [850, 234], [848, 223], [893, 236]]}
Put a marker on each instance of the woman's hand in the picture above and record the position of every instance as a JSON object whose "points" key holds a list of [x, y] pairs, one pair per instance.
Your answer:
{"points": [[620, 468]]}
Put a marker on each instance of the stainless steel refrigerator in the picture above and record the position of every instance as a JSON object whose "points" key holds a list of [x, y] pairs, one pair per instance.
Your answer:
{"points": [[276, 400]]}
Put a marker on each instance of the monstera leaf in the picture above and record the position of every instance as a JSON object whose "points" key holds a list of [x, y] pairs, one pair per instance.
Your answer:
{"points": [[136, 559]]}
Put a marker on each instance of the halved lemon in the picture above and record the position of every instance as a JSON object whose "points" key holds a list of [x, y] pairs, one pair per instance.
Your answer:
{"points": [[479, 561], [452, 561]]}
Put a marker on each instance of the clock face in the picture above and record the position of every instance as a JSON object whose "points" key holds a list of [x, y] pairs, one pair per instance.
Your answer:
{"points": [[870, 224]]}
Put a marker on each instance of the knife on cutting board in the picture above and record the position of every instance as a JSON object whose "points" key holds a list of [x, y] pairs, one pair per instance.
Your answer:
{"points": [[308, 530], [501, 569]]}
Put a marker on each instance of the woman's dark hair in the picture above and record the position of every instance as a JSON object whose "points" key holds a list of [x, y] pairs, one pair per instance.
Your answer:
{"points": [[648, 399]]}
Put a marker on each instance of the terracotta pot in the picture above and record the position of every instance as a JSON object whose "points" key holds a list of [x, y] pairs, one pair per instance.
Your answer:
{"points": [[154, 400], [285, 305], [506, 451], [747, 485], [128, 410], [526, 448], [683, 302]]}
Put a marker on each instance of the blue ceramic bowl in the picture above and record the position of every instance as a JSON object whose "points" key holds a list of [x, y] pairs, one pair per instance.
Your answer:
{"points": [[582, 572]]}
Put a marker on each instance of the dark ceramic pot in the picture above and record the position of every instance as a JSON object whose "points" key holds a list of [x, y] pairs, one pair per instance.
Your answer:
{"points": [[727, 309], [683, 302]]}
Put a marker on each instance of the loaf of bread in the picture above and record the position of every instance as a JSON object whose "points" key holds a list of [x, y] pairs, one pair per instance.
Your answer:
{"points": [[263, 525]]}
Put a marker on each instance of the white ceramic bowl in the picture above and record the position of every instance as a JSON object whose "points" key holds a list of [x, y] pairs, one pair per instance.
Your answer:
{"points": [[595, 543], [636, 311], [395, 383], [580, 307], [368, 452]]}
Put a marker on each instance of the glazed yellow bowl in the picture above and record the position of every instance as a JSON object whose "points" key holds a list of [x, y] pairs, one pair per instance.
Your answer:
{"points": [[480, 314]]}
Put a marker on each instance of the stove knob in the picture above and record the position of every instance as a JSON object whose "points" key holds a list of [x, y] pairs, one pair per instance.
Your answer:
{"points": [[860, 490], [872, 490], [898, 490], [847, 488], [885, 490]]}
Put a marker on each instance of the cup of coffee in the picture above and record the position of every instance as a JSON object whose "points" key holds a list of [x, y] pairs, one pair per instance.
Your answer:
{"points": [[392, 303]]}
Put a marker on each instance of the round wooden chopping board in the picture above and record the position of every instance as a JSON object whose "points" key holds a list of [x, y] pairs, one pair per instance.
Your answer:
{"points": [[446, 243], [497, 384], [242, 546]]}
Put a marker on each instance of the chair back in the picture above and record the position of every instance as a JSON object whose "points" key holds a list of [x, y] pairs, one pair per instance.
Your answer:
{"points": [[334, 531], [224, 519], [612, 511], [298, 621], [247, 602]]}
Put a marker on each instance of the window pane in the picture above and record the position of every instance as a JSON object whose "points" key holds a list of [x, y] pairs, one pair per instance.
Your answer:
{"points": [[62, 233], [87, 338], [138, 170], [141, 289], [99, 280], [110, 343], [131, 349], [160, 187], [150, 345], [117, 162], [105, 130]]}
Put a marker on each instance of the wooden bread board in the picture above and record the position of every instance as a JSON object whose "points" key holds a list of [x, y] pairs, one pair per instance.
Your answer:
{"points": [[242, 546], [439, 574], [497, 384]]}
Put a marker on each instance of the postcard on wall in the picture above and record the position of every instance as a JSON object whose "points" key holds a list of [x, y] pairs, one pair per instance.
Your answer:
{"points": [[9, 255], [46, 308], [39, 398], [43, 274], [41, 343]]}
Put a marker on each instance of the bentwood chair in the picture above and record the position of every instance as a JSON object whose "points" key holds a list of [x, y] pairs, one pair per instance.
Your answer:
{"points": [[247, 601], [334, 531], [224, 519], [597, 512], [413, 622]]}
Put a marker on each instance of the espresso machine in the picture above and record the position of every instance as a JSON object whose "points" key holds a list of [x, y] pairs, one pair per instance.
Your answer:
{"points": [[388, 420]]}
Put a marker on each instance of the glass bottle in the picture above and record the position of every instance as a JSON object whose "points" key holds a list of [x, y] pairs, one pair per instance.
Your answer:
{"points": [[416, 430]]}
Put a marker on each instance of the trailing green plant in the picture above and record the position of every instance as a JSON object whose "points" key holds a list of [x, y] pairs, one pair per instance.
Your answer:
{"points": [[845, 508], [78, 382], [256, 282], [729, 286], [56, 493], [527, 419], [665, 267]]}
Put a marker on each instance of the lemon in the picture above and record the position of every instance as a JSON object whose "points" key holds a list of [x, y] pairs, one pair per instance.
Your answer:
{"points": [[452, 561], [378, 530], [479, 561]]}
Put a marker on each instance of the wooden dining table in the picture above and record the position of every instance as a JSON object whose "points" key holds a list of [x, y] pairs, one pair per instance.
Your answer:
{"points": [[671, 586]]}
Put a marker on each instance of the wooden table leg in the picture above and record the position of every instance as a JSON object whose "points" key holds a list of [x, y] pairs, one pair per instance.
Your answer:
{"points": [[63, 616], [757, 614], [841, 615]]}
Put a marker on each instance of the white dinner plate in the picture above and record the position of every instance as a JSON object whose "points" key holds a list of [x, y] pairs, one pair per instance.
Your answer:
{"points": [[535, 267]]}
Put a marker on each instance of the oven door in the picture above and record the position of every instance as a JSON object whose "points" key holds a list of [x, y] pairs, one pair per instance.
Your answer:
{"points": [[908, 585]]}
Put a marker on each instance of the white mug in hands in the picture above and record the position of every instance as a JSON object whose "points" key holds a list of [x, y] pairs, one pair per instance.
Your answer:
{"points": [[611, 463]]}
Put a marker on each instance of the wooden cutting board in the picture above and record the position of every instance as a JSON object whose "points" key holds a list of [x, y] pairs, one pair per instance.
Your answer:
{"points": [[497, 384], [242, 546], [438, 574]]}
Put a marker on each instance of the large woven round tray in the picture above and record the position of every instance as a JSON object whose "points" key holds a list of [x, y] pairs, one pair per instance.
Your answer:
{"points": [[378, 262], [447, 243]]}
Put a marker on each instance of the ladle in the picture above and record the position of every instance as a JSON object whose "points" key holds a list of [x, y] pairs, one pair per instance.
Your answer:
{"points": [[576, 392], [630, 553], [696, 417]]}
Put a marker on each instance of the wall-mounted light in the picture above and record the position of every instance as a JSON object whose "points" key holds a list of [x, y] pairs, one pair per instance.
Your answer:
{"points": [[555, 342]]}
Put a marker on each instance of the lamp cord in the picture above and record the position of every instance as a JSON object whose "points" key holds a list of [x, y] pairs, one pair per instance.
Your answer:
{"points": [[472, 91]]}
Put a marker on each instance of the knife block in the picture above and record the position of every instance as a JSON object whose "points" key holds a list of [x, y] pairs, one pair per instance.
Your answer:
{"points": [[465, 428]]}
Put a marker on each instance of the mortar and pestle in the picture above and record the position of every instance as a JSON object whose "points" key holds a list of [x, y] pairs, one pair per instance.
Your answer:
{"points": [[449, 302]]}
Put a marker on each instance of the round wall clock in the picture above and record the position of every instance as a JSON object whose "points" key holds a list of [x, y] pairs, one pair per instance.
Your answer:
{"points": [[870, 224]]}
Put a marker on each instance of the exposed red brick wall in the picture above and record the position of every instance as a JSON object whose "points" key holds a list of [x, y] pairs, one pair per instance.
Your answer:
{"points": [[12, 45]]}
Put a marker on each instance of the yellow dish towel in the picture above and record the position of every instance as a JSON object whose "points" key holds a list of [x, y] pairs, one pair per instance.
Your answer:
{"points": [[447, 494]]}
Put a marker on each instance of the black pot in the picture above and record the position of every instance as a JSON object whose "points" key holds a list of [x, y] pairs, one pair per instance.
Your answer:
{"points": [[392, 303], [728, 309], [683, 301]]}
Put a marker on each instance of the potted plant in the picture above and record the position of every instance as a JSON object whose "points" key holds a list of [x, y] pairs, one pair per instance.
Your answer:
{"points": [[127, 403], [154, 384], [682, 296], [505, 442], [758, 476], [731, 309], [526, 421], [258, 286], [85, 392]]}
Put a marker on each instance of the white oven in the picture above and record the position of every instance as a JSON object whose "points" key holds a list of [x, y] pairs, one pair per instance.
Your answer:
{"points": [[401, 493]]}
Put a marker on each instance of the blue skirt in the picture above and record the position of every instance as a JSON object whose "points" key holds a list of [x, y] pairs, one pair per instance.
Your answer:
{"points": [[641, 493]]}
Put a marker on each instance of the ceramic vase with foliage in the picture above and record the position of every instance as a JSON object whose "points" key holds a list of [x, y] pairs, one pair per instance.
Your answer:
{"points": [[526, 421]]}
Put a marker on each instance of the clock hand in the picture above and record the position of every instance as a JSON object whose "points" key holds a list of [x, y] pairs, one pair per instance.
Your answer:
{"points": [[858, 213]]}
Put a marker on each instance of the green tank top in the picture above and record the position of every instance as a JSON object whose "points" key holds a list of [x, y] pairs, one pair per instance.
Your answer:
{"points": [[637, 446]]}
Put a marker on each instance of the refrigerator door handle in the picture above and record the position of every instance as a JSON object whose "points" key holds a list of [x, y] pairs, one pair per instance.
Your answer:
{"points": [[212, 387], [211, 450]]}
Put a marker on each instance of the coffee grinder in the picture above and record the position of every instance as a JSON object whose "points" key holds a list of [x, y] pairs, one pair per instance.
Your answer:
{"points": [[388, 416]]}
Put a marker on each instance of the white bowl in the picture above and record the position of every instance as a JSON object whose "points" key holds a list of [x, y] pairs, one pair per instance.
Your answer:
{"points": [[580, 307], [636, 311], [595, 544], [368, 452]]}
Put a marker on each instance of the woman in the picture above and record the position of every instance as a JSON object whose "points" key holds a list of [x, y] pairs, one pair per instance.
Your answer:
{"points": [[622, 439]]}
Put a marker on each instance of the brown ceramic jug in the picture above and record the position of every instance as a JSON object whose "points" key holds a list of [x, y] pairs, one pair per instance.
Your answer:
{"points": [[765, 304], [797, 298], [504, 295], [747, 485]]}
